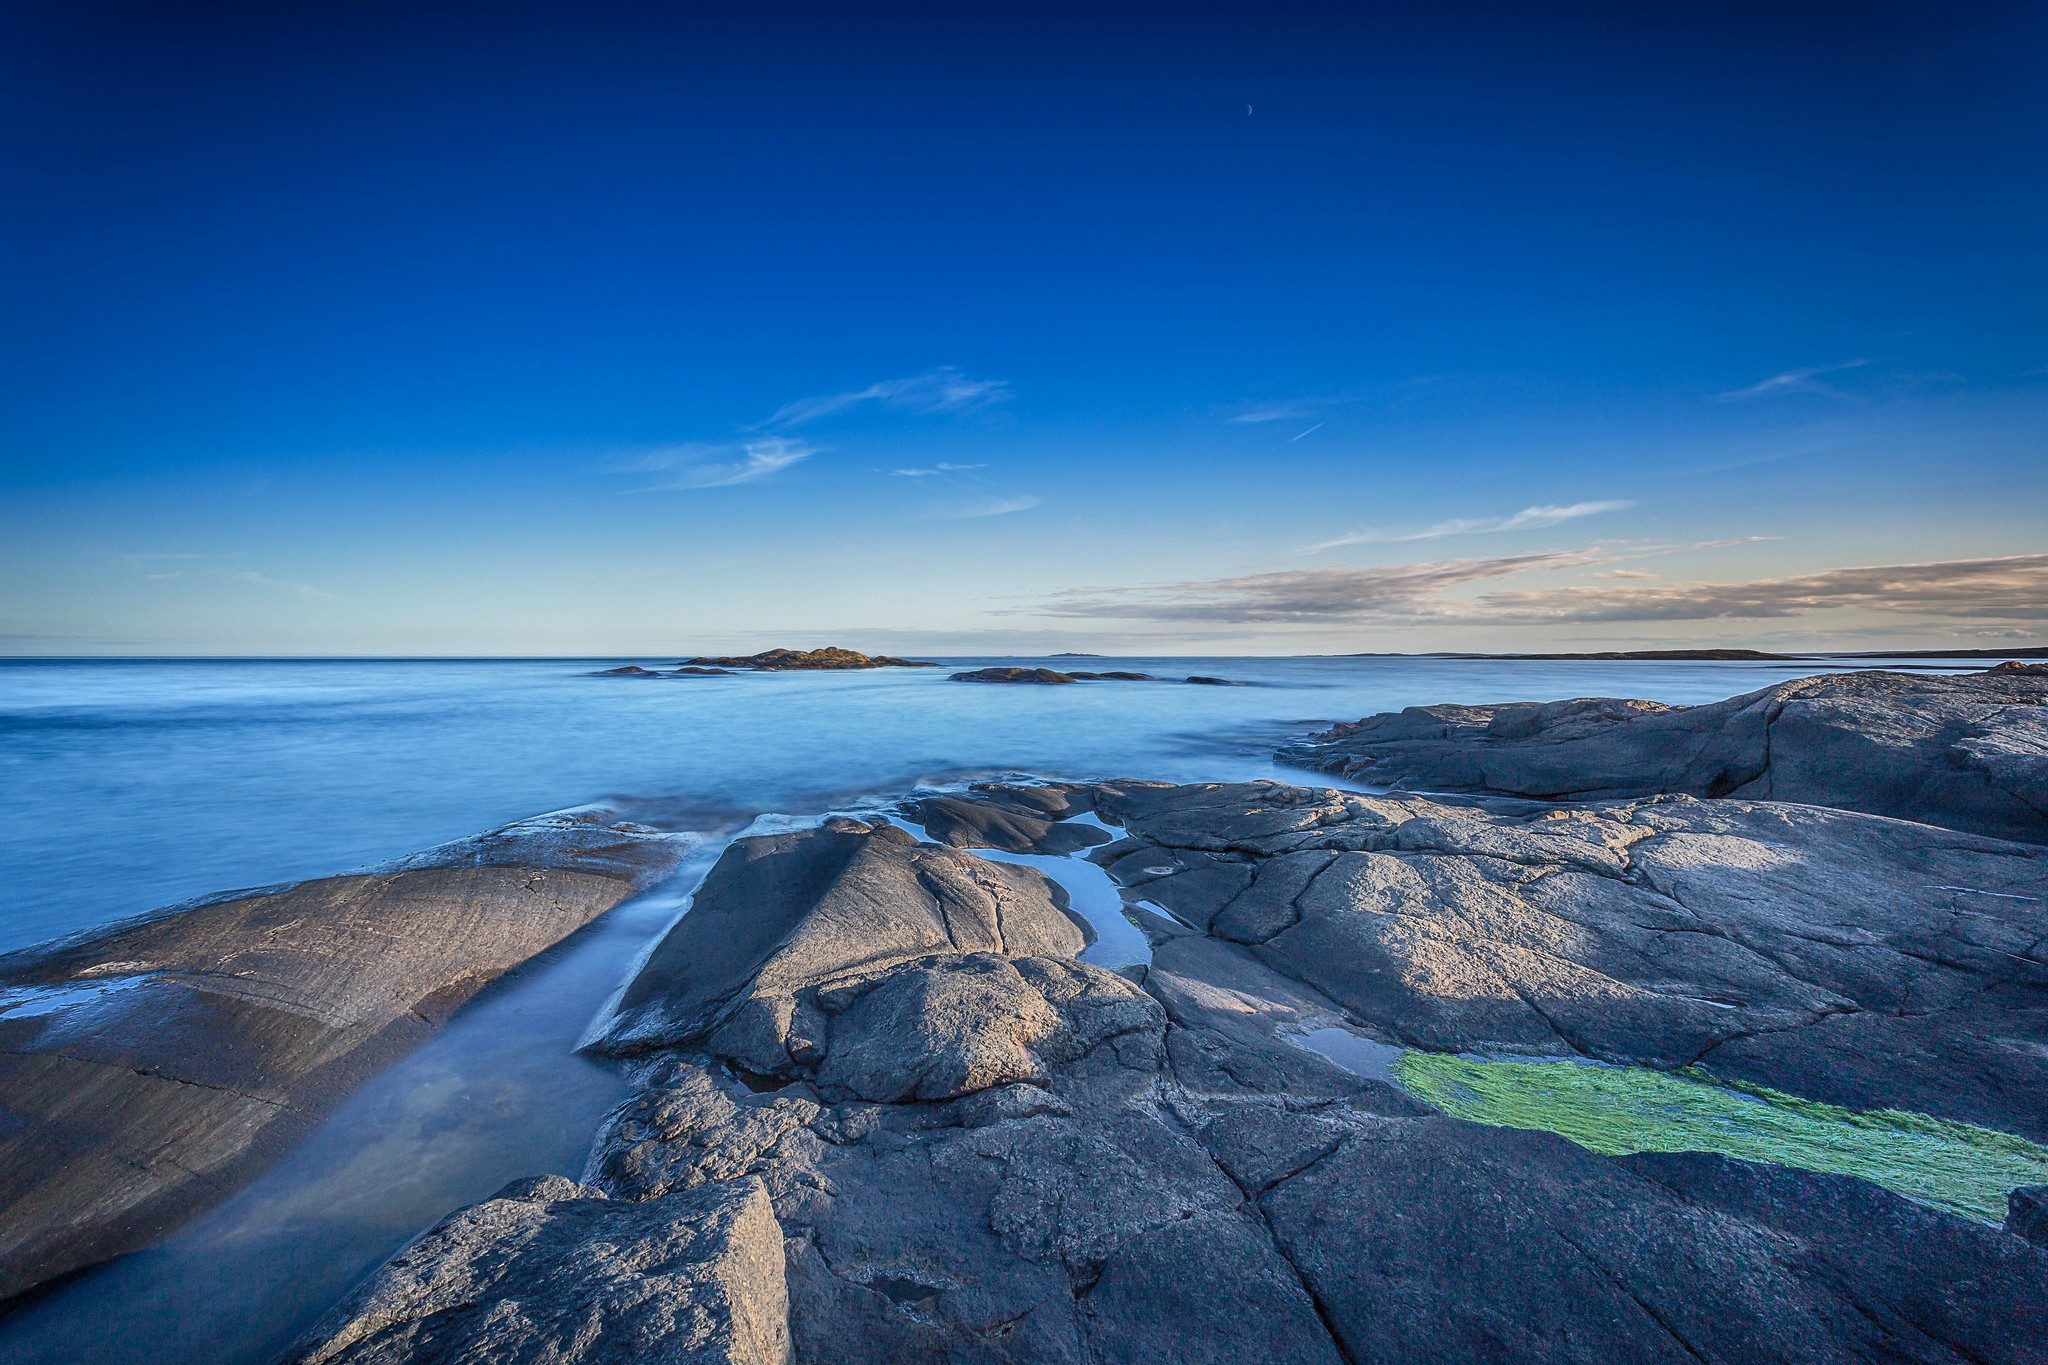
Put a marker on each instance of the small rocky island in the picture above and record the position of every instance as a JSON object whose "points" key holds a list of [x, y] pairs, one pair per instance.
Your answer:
{"points": [[1054, 677], [829, 659], [1663, 1041]]}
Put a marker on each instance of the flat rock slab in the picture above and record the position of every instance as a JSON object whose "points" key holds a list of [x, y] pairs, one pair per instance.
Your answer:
{"points": [[146, 1068], [1968, 752]]}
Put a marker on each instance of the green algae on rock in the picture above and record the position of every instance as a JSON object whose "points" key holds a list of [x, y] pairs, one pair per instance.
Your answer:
{"points": [[1618, 1110]]}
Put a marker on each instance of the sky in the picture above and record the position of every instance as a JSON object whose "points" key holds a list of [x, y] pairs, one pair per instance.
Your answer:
{"points": [[1004, 329]]}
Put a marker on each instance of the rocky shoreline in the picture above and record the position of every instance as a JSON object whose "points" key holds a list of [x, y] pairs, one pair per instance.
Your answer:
{"points": [[147, 1068], [879, 1056], [1967, 752], [1669, 1038]]}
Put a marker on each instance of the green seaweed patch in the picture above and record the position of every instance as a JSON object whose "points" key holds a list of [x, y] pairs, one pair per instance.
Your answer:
{"points": [[1616, 1110]]}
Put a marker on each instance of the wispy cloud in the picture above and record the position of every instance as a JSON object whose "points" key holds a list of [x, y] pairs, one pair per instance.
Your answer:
{"points": [[156, 568], [942, 390], [940, 468], [2008, 588], [767, 450], [212, 567], [1963, 593], [1395, 591], [1278, 412], [991, 507], [1794, 381], [695, 465], [1253, 412], [301, 589], [1528, 519]]}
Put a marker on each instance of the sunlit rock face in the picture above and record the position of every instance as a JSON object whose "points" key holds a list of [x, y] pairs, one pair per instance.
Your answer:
{"points": [[1968, 753]]}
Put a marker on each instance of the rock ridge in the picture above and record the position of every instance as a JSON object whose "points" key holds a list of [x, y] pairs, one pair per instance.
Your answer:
{"points": [[1964, 752]]}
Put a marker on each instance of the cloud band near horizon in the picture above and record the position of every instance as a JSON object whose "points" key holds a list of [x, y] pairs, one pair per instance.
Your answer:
{"points": [[2004, 589]]}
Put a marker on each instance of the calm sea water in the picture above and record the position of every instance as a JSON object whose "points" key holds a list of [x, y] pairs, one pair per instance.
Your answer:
{"points": [[134, 784], [131, 785]]}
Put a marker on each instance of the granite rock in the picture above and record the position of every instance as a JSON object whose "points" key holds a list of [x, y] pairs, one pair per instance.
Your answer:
{"points": [[552, 1270], [1964, 752], [148, 1067]]}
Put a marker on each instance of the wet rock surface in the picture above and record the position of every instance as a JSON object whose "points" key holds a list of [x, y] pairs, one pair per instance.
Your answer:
{"points": [[1965, 752], [977, 1148], [148, 1067]]}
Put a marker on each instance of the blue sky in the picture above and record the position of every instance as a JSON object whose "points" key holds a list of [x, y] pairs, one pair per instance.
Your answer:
{"points": [[614, 329]]}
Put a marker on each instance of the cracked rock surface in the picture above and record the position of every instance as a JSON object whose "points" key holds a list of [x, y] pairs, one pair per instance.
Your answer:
{"points": [[146, 1068], [979, 1149], [1865, 962], [1964, 752]]}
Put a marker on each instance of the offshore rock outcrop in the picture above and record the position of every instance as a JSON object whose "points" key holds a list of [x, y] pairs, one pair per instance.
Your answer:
{"points": [[1053, 677], [1968, 752], [147, 1067], [980, 1149], [1046, 675], [829, 659], [685, 671]]}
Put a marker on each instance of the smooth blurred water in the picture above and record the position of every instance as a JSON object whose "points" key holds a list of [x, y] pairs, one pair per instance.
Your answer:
{"points": [[134, 784]]}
